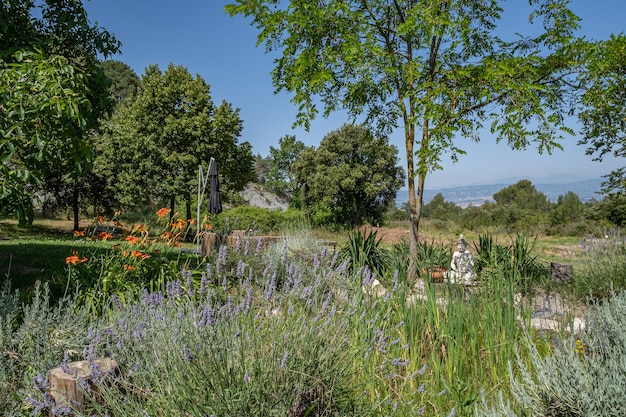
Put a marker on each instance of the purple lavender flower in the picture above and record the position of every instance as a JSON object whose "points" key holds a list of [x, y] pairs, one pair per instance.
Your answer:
{"points": [[188, 355], [189, 277], [259, 245], [41, 383], [329, 298], [270, 287], [65, 364], [316, 263], [283, 362], [222, 258], [203, 285], [246, 250], [285, 253], [241, 266], [246, 377], [368, 277], [399, 362]]}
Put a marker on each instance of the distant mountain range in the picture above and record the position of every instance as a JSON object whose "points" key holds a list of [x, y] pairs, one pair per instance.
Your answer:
{"points": [[478, 194]]}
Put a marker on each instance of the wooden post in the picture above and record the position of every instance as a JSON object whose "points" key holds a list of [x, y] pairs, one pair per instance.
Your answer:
{"points": [[210, 241], [63, 386]]}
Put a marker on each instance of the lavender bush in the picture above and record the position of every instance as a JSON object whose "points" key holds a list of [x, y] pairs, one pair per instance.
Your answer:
{"points": [[256, 333]]}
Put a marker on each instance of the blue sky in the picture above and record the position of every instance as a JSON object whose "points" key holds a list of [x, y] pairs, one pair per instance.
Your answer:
{"points": [[198, 35]]}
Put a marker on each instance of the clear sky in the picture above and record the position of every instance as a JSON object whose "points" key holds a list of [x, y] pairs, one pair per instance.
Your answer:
{"points": [[198, 35]]}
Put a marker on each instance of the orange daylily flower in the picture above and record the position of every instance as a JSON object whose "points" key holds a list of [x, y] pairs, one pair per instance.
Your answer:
{"points": [[162, 212], [79, 233], [178, 224], [105, 236], [101, 219], [75, 259], [129, 267], [140, 228], [141, 255], [133, 240], [176, 243]]}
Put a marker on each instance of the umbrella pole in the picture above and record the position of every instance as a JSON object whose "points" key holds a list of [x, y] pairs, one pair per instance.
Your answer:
{"points": [[202, 180]]}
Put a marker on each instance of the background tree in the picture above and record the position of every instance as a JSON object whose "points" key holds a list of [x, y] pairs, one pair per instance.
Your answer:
{"points": [[439, 208], [522, 195], [567, 215], [520, 206], [351, 178], [124, 81], [281, 178], [604, 106], [156, 140], [262, 167], [436, 66], [52, 94]]}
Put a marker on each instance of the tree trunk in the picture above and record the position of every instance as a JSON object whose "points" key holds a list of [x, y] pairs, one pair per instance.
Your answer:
{"points": [[75, 209], [172, 207], [414, 214], [188, 204]]}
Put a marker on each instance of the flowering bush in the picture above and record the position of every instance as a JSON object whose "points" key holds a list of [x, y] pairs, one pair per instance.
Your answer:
{"points": [[132, 257]]}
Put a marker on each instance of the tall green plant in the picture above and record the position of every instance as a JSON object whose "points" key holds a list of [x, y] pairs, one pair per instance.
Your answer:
{"points": [[365, 251]]}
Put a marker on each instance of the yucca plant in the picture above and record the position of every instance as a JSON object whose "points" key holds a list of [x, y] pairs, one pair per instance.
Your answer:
{"points": [[365, 250]]}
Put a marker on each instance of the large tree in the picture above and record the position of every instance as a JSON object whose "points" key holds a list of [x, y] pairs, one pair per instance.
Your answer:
{"points": [[52, 94], [156, 140], [439, 68], [351, 178]]}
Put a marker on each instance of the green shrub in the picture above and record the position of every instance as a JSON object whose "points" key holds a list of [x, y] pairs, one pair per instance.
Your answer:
{"points": [[579, 377], [256, 220]]}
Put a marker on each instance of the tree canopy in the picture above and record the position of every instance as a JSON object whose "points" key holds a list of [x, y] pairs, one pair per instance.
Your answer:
{"points": [[52, 93], [155, 141], [351, 178], [124, 81], [440, 69], [281, 178], [604, 105]]}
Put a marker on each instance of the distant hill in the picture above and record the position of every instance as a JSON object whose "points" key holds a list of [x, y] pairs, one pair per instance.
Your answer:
{"points": [[478, 194]]}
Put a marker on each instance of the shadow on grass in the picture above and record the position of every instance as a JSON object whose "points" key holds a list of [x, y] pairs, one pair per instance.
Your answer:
{"points": [[26, 261]]}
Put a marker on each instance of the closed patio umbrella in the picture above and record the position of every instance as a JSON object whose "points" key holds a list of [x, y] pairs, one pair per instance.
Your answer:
{"points": [[215, 204]]}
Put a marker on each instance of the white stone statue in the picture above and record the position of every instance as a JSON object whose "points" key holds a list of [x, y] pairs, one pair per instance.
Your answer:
{"points": [[462, 265]]}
